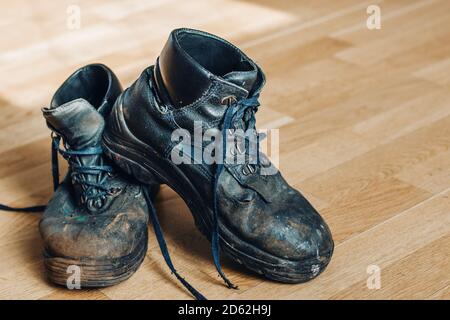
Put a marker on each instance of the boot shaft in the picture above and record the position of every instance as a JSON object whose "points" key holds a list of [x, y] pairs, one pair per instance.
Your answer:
{"points": [[76, 115], [193, 61], [192, 79]]}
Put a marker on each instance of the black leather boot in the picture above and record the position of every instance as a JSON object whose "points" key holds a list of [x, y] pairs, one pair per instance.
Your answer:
{"points": [[258, 219], [96, 221]]}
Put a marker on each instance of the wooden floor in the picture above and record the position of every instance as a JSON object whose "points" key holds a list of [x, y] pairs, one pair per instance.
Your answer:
{"points": [[364, 120]]}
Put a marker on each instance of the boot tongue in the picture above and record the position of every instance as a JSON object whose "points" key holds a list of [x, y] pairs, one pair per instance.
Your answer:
{"points": [[78, 122], [243, 79]]}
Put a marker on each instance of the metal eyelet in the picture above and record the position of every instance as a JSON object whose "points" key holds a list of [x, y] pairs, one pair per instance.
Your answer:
{"points": [[228, 100], [251, 169], [161, 108], [54, 135], [114, 191], [111, 174]]}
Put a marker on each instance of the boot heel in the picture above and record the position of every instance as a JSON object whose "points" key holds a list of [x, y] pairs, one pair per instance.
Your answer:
{"points": [[95, 273]]}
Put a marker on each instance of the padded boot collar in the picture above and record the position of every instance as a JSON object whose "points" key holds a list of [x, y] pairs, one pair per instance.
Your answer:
{"points": [[80, 124], [192, 60], [95, 83]]}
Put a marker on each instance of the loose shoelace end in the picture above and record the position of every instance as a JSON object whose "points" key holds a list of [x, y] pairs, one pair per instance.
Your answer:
{"points": [[232, 286], [228, 283]]}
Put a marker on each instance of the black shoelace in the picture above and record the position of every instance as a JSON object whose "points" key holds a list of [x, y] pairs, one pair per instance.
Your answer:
{"points": [[76, 171], [93, 192], [237, 110], [163, 247]]}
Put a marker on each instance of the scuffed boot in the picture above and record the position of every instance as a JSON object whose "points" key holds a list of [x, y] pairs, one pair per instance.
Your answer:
{"points": [[95, 225], [257, 219]]}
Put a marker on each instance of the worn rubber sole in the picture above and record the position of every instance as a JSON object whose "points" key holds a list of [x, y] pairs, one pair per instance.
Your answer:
{"points": [[94, 273], [146, 164]]}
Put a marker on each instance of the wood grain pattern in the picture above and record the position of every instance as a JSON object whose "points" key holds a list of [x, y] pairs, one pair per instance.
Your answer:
{"points": [[364, 119]]}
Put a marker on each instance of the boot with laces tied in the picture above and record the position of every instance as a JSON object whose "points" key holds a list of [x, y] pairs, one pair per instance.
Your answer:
{"points": [[255, 218], [97, 218]]}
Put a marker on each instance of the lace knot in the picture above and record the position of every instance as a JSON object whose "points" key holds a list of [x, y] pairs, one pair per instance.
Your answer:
{"points": [[94, 191]]}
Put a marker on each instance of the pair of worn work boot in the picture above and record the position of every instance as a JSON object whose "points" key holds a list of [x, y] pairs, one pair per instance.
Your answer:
{"points": [[120, 146]]}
